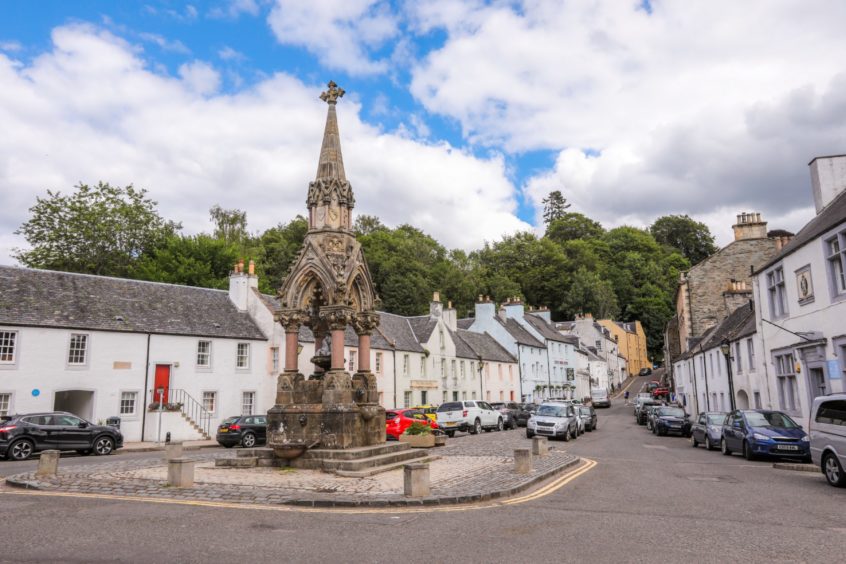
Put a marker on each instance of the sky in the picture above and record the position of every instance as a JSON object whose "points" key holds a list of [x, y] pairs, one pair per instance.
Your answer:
{"points": [[460, 116]]}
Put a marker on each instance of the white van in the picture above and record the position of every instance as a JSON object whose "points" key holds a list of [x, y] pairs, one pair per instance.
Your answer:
{"points": [[599, 397], [827, 429]]}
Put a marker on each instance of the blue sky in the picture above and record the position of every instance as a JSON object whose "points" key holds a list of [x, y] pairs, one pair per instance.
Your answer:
{"points": [[461, 115]]}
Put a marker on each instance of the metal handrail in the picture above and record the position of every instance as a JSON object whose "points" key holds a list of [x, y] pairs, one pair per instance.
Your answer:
{"points": [[187, 405]]}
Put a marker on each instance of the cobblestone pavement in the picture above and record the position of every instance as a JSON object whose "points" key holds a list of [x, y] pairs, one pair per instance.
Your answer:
{"points": [[471, 468]]}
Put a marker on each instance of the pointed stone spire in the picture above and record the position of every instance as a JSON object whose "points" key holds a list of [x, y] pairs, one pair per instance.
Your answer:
{"points": [[331, 165], [330, 198]]}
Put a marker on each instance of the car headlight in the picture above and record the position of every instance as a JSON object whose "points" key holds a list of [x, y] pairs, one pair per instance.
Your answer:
{"points": [[760, 437], [806, 438]]}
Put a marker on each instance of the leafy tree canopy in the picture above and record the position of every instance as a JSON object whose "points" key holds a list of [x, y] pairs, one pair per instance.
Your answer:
{"points": [[554, 206], [571, 226], [692, 238]]}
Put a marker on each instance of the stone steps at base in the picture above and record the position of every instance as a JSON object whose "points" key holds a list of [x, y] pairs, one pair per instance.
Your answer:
{"points": [[239, 462], [331, 465], [354, 453], [385, 468], [254, 452]]}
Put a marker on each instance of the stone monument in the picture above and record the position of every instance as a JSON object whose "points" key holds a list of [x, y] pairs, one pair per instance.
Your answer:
{"points": [[328, 288]]}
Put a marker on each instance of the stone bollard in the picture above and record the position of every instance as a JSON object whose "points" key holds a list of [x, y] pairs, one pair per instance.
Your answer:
{"points": [[416, 479], [48, 463], [540, 446], [173, 450], [180, 473], [522, 460]]}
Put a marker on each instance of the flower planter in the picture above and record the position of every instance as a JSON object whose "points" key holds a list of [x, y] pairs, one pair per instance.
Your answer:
{"points": [[418, 441]]}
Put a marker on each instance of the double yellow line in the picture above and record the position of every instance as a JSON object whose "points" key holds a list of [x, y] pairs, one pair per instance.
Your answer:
{"points": [[553, 486]]}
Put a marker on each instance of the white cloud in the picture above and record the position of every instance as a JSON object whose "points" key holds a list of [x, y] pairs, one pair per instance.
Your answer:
{"points": [[232, 9], [227, 53], [92, 109], [10, 46], [341, 33], [165, 44], [699, 107]]}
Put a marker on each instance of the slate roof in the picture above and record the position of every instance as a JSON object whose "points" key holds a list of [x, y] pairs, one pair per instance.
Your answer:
{"points": [[466, 323], [485, 346], [730, 327], [548, 331], [462, 349], [422, 325], [44, 298], [520, 334], [829, 217]]}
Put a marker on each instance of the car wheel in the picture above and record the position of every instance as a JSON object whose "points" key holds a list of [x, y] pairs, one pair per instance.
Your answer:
{"points": [[724, 447], [20, 450], [693, 442], [529, 434], [103, 446], [747, 451], [596, 425], [450, 434], [477, 427], [499, 425], [84, 451], [567, 435], [707, 441], [248, 440], [833, 471]]}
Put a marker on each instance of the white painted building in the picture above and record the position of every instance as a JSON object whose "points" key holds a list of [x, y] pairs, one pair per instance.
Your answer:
{"points": [[599, 341], [101, 347], [802, 297]]}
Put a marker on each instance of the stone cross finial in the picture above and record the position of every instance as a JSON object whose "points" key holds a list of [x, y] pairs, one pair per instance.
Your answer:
{"points": [[332, 94]]}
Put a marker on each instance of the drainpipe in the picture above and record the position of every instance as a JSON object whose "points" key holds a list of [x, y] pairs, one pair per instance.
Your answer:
{"points": [[520, 373], [146, 383], [394, 346], [705, 370], [695, 389]]}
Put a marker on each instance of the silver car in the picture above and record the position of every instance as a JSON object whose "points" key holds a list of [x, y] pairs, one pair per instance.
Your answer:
{"points": [[827, 430], [707, 429], [554, 420]]}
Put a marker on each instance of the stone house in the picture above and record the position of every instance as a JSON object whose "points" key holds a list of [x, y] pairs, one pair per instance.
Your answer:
{"points": [[802, 296]]}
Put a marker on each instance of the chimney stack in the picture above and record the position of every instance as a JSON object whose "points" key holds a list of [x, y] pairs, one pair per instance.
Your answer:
{"points": [[828, 179], [749, 226]]}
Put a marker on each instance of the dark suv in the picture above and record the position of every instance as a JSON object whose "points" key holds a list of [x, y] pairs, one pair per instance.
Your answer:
{"points": [[23, 435], [509, 411], [244, 430]]}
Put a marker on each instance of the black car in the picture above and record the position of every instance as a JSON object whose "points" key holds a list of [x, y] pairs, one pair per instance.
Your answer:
{"points": [[244, 430], [509, 410], [23, 435], [640, 409], [524, 411], [588, 415], [670, 419]]}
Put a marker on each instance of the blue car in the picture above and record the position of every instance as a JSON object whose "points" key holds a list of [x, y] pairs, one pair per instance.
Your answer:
{"points": [[764, 433]]}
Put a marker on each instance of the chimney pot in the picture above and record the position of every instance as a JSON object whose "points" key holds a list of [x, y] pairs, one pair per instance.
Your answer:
{"points": [[449, 304], [436, 297], [252, 268]]}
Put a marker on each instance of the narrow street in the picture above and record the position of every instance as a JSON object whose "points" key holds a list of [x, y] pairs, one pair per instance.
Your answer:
{"points": [[648, 499]]}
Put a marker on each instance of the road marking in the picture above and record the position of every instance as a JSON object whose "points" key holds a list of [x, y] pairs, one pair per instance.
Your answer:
{"points": [[552, 487]]}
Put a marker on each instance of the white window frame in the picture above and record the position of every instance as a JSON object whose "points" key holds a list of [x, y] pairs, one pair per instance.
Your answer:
{"points": [[242, 360], [378, 363], [777, 292], [463, 370], [86, 350], [9, 403], [750, 353], [835, 264], [9, 341], [274, 359], [786, 384], [213, 398], [244, 394], [208, 354], [423, 366], [353, 358], [406, 363], [134, 412], [738, 358], [406, 398]]}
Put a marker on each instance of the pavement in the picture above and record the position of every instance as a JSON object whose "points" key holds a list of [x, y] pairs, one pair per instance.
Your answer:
{"points": [[647, 499], [149, 446]]}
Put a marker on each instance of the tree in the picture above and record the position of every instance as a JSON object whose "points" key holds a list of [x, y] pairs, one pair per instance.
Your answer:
{"points": [[101, 230], [229, 225], [200, 260], [571, 226], [653, 308], [366, 224], [588, 293], [692, 238], [276, 250], [554, 206]]}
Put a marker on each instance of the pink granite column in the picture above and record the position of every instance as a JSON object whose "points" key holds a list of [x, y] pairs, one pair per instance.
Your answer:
{"points": [[291, 356], [364, 353], [337, 349]]}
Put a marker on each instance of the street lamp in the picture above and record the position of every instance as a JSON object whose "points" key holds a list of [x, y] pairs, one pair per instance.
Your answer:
{"points": [[725, 348]]}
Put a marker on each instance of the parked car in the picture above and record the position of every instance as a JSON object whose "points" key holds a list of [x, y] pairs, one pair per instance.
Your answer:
{"points": [[669, 419], [244, 430], [661, 392], [430, 411], [599, 397], [827, 429], [588, 414], [707, 429], [524, 411], [640, 408], [645, 371], [471, 416], [763, 432], [398, 420], [508, 410], [554, 420], [651, 411], [23, 435]]}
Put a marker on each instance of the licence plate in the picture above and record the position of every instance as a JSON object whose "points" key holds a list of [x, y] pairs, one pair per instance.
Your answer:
{"points": [[223, 430], [787, 447], [450, 423]]}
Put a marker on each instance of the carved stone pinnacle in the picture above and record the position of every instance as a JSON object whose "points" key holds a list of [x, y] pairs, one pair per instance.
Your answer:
{"points": [[332, 94]]}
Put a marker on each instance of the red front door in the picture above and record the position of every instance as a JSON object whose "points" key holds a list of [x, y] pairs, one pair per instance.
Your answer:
{"points": [[162, 382]]}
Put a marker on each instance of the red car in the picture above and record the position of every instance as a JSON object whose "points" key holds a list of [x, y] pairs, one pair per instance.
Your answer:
{"points": [[398, 420]]}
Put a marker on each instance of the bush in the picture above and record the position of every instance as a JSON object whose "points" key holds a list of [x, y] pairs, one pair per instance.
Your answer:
{"points": [[418, 428]]}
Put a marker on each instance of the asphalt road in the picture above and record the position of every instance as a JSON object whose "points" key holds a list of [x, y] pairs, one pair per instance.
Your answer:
{"points": [[649, 498]]}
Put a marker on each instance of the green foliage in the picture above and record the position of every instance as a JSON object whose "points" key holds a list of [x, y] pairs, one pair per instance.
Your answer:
{"points": [[692, 238], [572, 226], [200, 260], [276, 250], [554, 206], [99, 229], [366, 224], [418, 428], [589, 293], [653, 309], [229, 225]]}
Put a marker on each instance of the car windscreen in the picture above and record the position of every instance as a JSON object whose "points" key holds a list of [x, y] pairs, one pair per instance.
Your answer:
{"points": [[771, 419], [552, 410], [584, 410], [497, 405], [390, 415], [230, 420], [716, 418], [451, 406], [671, 411]]}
